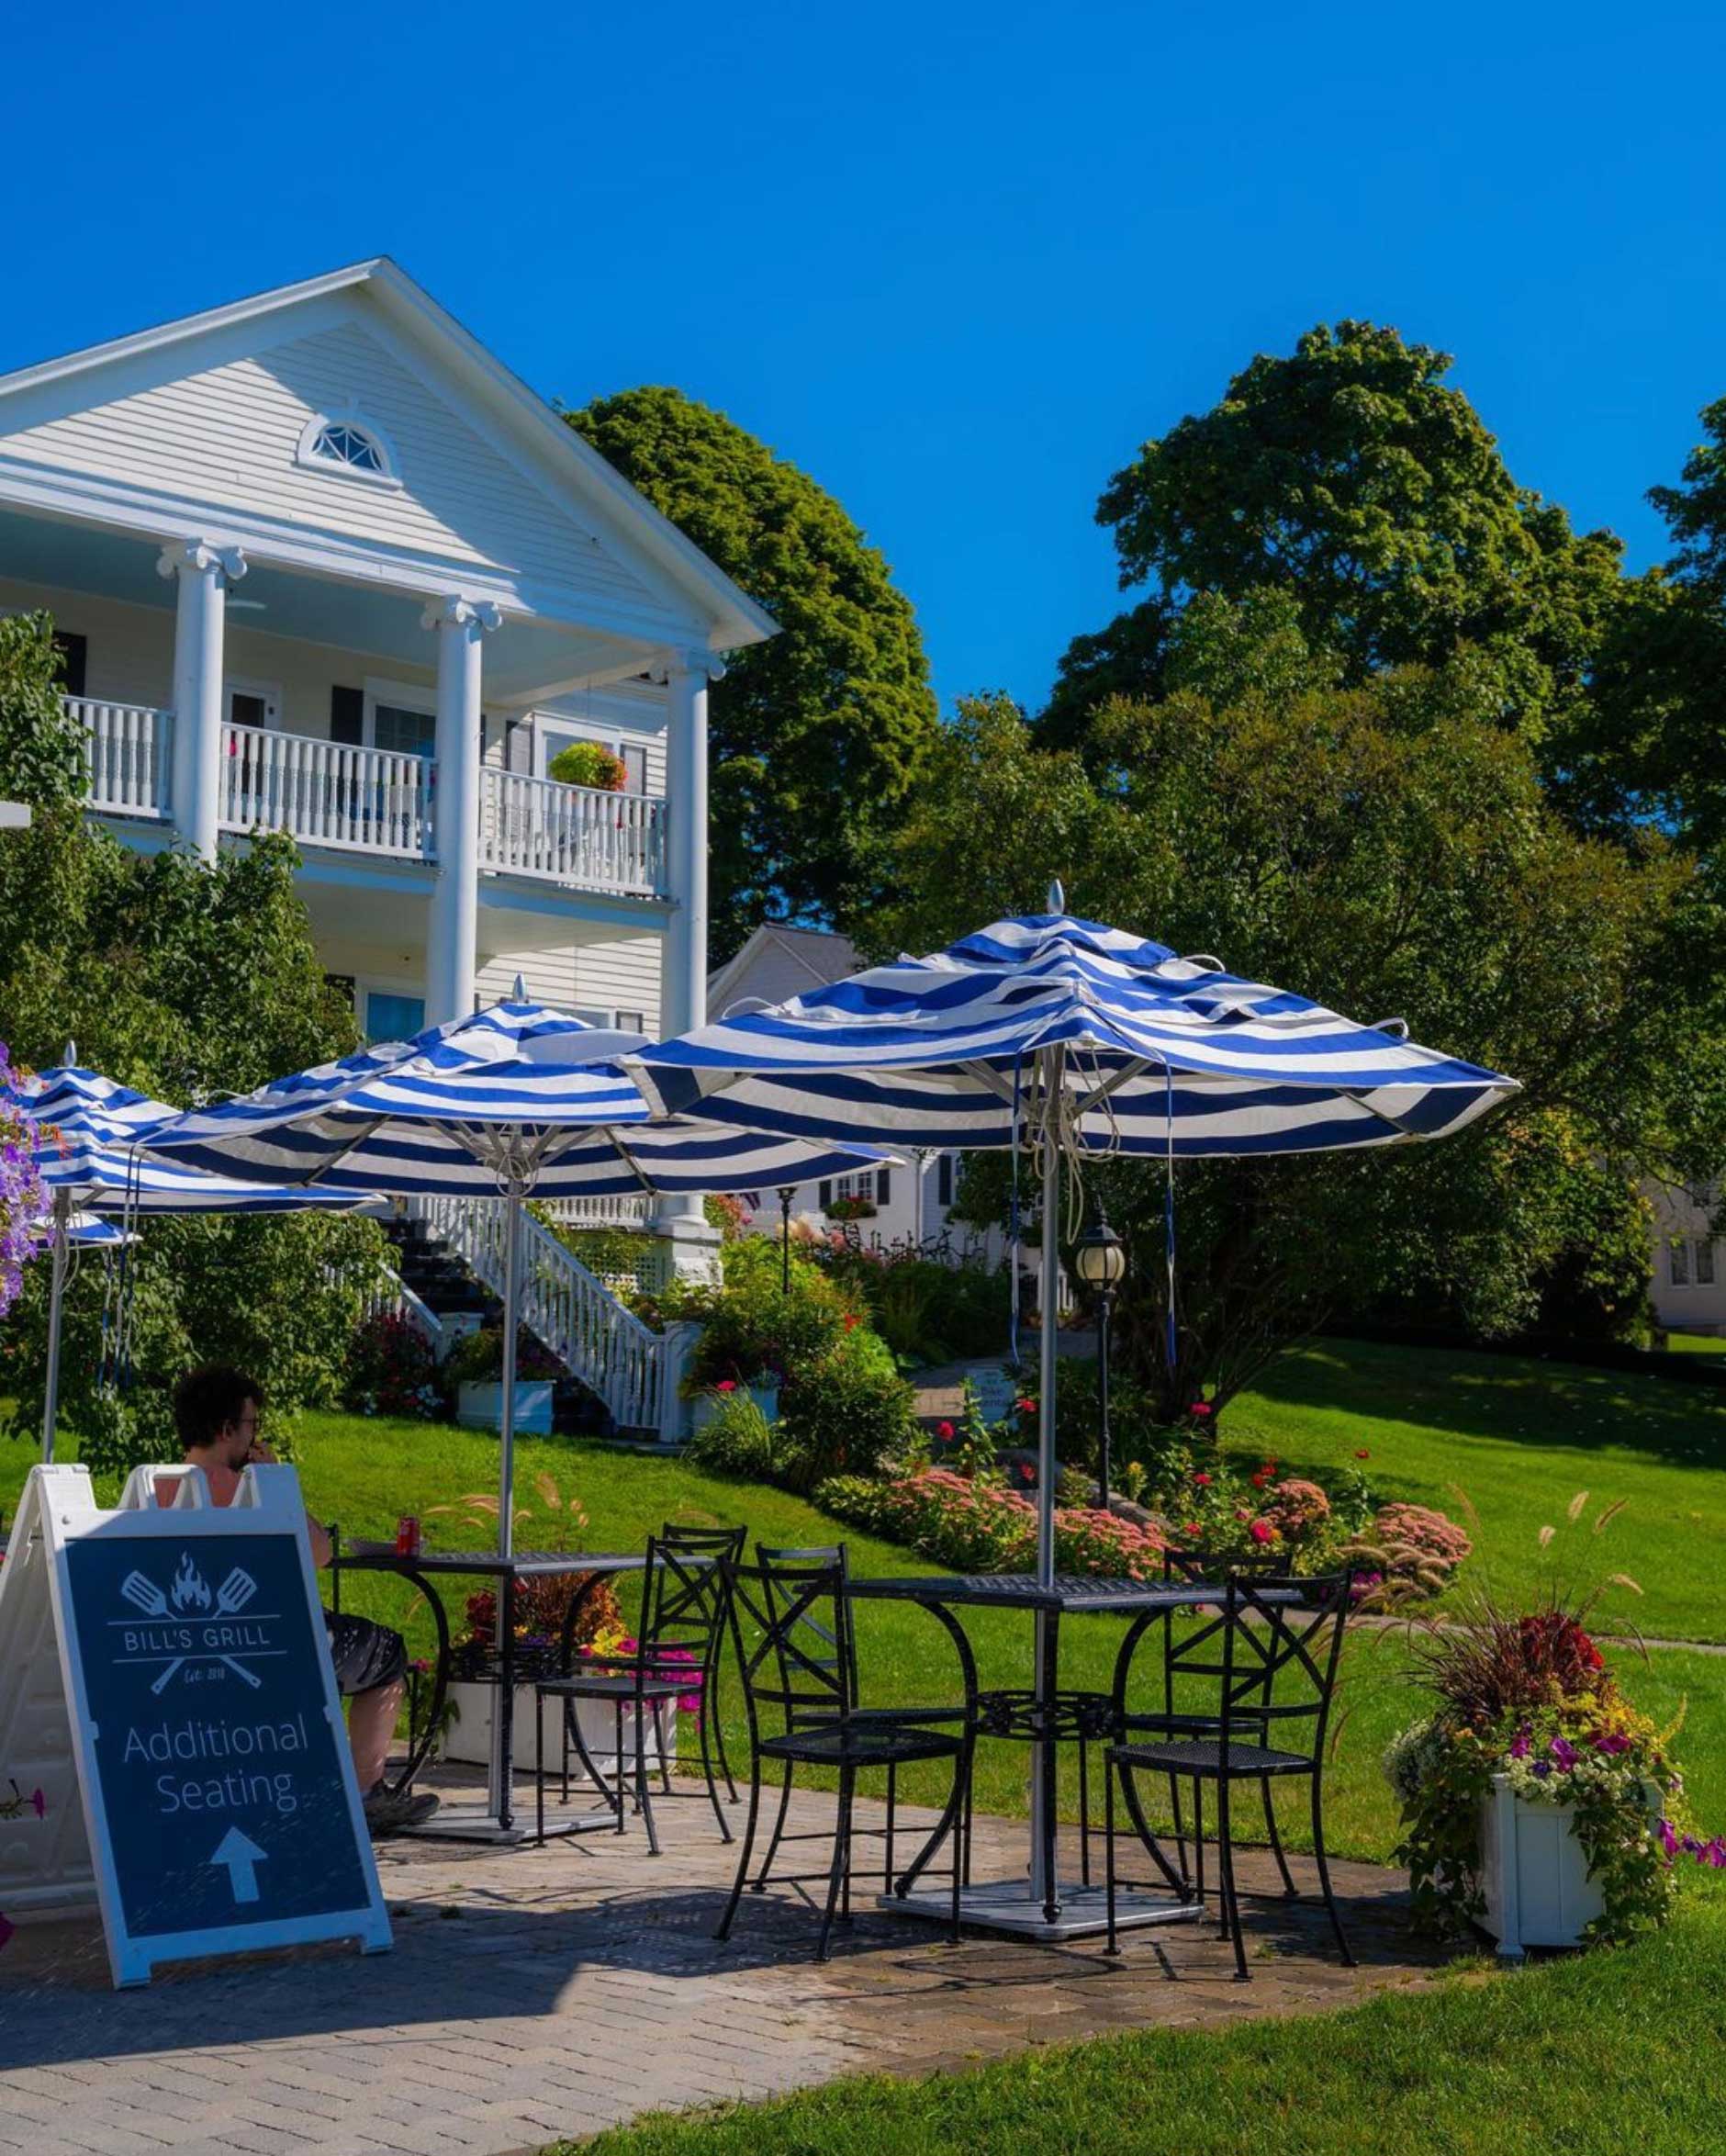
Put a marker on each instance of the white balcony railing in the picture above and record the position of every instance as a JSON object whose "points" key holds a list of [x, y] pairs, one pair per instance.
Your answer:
{"points": [[326, 793], [336, 793], [126, 755], [571, 834]]}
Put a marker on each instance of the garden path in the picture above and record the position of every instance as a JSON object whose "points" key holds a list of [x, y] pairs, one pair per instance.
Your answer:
{"points": [[545, 1994]]}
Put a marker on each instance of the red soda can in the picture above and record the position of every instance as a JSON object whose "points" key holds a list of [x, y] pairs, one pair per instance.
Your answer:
{"points": [[408, 1536]]}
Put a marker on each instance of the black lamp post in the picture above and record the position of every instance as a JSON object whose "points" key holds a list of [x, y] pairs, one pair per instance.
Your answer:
{"points": [[1101, 1262], [788, 1191]]}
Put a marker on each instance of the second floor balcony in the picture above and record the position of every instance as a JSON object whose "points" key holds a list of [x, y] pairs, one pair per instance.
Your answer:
{"points": [[348, 798]]}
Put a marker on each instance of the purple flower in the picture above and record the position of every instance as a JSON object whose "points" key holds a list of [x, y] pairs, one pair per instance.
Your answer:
{"points": [[1542, 1769], [39, 1803], [1668, 1838], [1564, 1752], [1519, 1746], [1615, 1741], [1714, 1856]]}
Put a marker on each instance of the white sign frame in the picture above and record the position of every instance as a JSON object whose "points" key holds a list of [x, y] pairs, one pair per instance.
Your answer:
{"points": [[57, 1510]]}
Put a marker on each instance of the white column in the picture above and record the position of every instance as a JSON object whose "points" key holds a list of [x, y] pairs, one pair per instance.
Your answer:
{"points": [[683, 970], [204, 572], [450, 935], [683, 978]]}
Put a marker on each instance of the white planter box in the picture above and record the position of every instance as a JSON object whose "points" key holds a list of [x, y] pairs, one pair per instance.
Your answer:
{"points": [[704, 1407], [468, 1738], [1533, 1873], [480, 1407]]}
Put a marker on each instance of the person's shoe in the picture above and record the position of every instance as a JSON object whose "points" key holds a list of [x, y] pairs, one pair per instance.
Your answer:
{"points": [[389, 1811]]}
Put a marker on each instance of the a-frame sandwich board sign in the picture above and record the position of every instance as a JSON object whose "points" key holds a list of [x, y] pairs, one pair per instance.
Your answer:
{"points": [[165, 1679]]}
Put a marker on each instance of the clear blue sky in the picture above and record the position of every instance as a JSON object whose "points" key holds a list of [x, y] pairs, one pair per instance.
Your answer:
{"points": [[957, 260]]}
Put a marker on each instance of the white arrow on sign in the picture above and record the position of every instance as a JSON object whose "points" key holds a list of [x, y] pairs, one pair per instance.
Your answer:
{"points": [[241, 1855]]}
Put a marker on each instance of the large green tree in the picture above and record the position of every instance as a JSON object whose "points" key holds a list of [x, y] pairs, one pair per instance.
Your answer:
{"points": [[1353, 477], [1386, 848], [818, 735], [1650, 742]]}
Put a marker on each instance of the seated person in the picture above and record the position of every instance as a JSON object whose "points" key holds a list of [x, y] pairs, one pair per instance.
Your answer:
{"points": [[216, 1412]]}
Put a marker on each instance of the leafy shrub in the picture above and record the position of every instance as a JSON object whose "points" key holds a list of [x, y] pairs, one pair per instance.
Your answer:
{"points": [[391, 1368], [753, 1329], [588, 763], [851, 1410], [851, 1209], [41, 744], [737, 1440], [477, 1358]]}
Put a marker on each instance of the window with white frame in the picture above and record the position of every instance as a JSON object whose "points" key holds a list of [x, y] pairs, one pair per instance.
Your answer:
{"points": [[400, 717], [345, 444], [1704, 1262], [1678, 1258]]}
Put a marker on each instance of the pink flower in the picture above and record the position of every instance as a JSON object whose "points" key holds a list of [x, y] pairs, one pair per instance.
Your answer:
{"points": [[1201, 1408], [945, 1431], [1204, 1481], [1025, 1406], [727, 1385], [1193, 1527], [39, 1803], [1364, 1453], [1261, 1532]]}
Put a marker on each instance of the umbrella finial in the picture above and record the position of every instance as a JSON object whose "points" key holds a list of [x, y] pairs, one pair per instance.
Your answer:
{"points": [[520, 990], [1057, 896], [70, 1060]]}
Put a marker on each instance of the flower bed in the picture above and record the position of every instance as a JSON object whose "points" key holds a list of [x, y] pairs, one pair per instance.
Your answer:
{"points": [[975, 1525]]}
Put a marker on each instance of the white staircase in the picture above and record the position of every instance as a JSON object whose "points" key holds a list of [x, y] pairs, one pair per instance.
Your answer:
{"points": [[625, 1363]]}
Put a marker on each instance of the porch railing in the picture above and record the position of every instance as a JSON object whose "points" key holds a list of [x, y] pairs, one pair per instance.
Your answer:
{"points": [[571, 834], [126, 748], [326, 793], [578, 1316]]}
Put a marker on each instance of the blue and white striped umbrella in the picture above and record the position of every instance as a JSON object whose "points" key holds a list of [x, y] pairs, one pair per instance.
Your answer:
{"points": [[516, 1095], [1076, 1042], [89, 1155], [1157, 1055], [95, 1162]]}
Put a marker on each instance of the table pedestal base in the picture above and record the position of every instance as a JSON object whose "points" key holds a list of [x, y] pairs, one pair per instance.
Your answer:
{"points": [[477, 1823], [1005, 1905]]}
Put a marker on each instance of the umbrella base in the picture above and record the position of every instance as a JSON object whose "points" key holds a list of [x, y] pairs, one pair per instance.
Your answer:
{"points": [[1005, 1905], [477, 1823]]}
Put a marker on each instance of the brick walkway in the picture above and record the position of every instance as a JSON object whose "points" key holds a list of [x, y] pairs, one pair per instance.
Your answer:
{"points": [[539, 1993]]}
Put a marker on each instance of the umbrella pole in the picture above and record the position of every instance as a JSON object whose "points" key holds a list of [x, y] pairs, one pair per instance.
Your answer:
{"points": [[60, 1236], [503, 1715], [1042, 1883]]}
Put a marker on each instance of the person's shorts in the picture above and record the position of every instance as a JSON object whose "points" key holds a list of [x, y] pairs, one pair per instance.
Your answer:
{"points": [[365, 1655]]}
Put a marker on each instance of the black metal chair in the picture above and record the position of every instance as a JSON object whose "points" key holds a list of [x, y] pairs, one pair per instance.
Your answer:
{"points": [[1272, 1645], [1197, 1565], [685, 1599], [822, 1642], [791, 1625]]}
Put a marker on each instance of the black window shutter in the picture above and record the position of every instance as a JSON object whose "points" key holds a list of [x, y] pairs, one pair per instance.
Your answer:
{"points": [[883, 1185], [944, 1180], [73, 651], [823, 1196], [347, 715]]}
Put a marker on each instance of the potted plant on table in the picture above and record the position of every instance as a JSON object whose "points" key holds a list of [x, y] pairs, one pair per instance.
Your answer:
{"points": [[1536, 1801]]}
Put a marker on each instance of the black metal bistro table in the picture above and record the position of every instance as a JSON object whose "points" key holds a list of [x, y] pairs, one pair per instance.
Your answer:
{"points": [[1038, 1906], [497, 1822]]}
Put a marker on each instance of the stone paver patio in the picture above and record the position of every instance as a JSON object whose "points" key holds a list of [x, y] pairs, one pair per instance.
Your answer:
{"points": [[542, 1993]]}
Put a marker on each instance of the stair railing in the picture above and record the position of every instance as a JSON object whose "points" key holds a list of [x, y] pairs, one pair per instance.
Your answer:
{"points": [[599, 1341]]}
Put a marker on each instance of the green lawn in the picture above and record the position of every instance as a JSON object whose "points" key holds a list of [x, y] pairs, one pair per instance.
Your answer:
{"points": [[1592, 2056], [1520, 1437], [1696, 1343]]}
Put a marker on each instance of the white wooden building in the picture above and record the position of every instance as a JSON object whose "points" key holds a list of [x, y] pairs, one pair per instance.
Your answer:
{"points": [[1688, 1283], [322, 564]]}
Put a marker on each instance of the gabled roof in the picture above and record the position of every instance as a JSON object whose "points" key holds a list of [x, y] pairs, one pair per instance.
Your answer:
{"points": [[779, 961], [735, 619]]}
